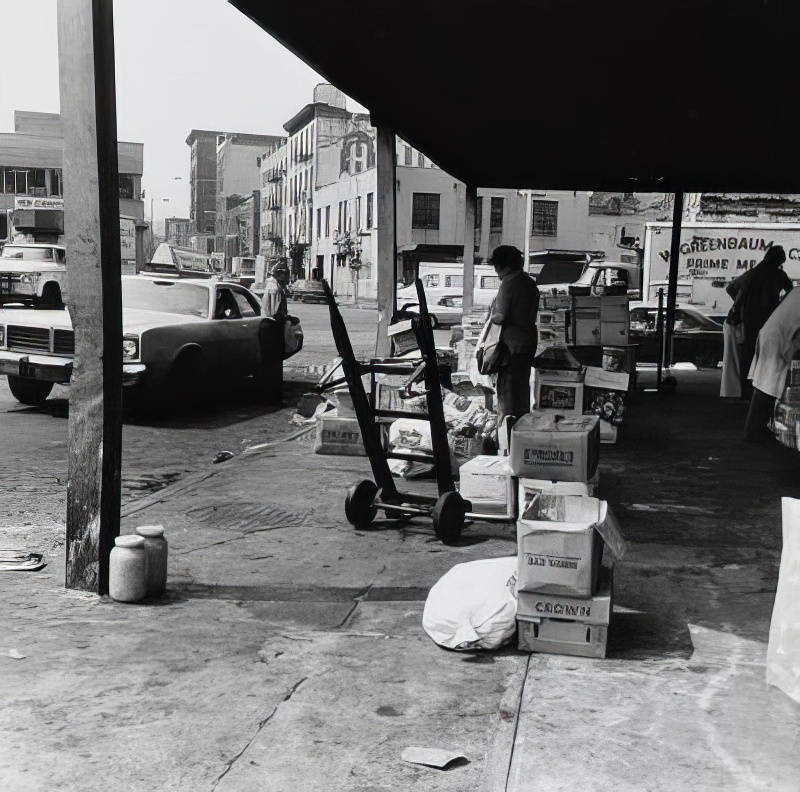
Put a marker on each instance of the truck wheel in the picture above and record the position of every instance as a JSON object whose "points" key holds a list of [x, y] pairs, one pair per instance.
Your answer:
{"points": [[448, 517], [29, 391], [359, 503]]}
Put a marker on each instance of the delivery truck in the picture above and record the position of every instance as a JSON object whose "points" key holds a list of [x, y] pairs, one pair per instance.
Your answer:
{"points": [[711, 256]]}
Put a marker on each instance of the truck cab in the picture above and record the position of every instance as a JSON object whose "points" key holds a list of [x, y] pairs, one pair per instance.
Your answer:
{"points": [[597, 278], [33, 274]]}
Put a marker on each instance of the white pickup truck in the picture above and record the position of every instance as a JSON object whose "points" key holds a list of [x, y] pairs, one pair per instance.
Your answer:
{"points": [[597, 278], [33, 273]]}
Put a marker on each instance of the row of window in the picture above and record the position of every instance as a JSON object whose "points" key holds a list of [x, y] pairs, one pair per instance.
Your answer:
{"points": [[41, 182], [347, 220], [425, 214], [48, 183]]}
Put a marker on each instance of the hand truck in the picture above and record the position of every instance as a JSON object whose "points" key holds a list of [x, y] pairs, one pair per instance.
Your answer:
{"points": [[449, 510]]}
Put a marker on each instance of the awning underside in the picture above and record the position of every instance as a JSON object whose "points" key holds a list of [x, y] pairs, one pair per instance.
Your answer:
{"points": [[568, 94]]}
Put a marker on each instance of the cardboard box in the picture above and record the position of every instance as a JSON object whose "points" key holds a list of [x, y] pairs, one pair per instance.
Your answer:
{"points": [[528, 488], [546, 446], [553, 394], [402, 337], [608, 432], [339, 436], [560, 542], [344, 403], [564, 637], [387, 397], [486, 481], [596, 377], [554, 302], [589, 610]]}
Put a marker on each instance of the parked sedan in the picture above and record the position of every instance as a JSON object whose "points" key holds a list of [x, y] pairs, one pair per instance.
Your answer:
{"points": [[697, 338], [446, 311], [182, 337]]}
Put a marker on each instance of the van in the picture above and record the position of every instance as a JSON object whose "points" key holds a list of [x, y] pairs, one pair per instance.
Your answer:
{"points": [[446, 280]]}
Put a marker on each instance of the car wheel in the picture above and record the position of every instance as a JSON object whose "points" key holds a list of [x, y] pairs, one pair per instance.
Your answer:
{"points": [[187, 382], [29, 391]]}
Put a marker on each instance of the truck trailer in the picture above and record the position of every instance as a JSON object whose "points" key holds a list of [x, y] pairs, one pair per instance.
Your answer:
{"points": [[711, 256]]}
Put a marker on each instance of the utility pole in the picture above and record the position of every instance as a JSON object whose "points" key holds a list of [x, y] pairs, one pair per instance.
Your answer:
{"points": [[94, 293]]}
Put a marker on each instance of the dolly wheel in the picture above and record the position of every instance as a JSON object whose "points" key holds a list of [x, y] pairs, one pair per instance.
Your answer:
{"points": [[448, 517], [359, 505]]}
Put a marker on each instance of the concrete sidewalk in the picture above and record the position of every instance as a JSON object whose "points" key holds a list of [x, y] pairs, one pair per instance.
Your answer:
{"points": [[288, 653]]}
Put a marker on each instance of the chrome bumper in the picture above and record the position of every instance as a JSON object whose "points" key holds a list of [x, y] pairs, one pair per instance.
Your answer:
{"points": [[52, 368]]}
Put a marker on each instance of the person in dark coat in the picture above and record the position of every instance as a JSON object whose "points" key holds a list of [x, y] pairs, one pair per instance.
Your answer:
{"points": [[756, 294], [515, 308]]}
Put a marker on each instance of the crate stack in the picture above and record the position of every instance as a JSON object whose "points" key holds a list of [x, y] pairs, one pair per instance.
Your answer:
{"points": [[565, 581], [599, 329], [786, 418]]}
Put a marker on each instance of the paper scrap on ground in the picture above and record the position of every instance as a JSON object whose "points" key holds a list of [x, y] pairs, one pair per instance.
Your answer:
{"points": [[15, 654], [20, 561], [432, 757]]}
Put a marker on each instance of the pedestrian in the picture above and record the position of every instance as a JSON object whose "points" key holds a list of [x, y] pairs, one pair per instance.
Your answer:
{"points": [[756, 295], [777, 345], [515, 308], [273, 303]]}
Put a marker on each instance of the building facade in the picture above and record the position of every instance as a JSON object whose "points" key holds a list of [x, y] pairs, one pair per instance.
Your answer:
{"points": [[203, 181], [319, 192], [31, 174]]}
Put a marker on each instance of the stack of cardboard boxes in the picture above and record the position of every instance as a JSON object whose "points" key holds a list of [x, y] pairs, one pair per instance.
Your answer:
{"points": [[564, 589], [595, 331]]}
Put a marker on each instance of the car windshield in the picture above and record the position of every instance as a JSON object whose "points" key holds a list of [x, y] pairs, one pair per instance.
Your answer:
{"points": [[178, 297], [27, 253], [559, 272]]}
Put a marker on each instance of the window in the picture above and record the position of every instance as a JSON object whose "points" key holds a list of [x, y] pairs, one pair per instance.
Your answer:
{"points": [[246, 308], [545, 218], [420, 159], [358, 213], [425, 210], [319, 223], [432, 281], [496, 216], [408, 155], [370, 199], [126, 188], [258, 162], [478, 221], [454, 281], [327, 222], [490, 282]]}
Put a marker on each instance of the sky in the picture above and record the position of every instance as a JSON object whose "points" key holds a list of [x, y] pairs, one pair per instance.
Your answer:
{"points": [[180, 65]]}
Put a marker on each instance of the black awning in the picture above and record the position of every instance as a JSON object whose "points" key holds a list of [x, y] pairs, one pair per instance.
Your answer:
{"points": [[691, 95]]}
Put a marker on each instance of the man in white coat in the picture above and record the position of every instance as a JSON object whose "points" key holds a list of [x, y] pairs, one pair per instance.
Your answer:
{"points": [[777, 345]]}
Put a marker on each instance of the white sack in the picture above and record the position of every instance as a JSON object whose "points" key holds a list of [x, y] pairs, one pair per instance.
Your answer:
{"points": [[783, 652], [474, 605]]}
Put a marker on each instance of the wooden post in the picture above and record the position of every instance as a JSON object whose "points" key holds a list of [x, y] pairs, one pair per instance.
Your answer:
{"points": [[94, 293], [470, 206], [672, 282], [387, 235], [141, 253]]}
